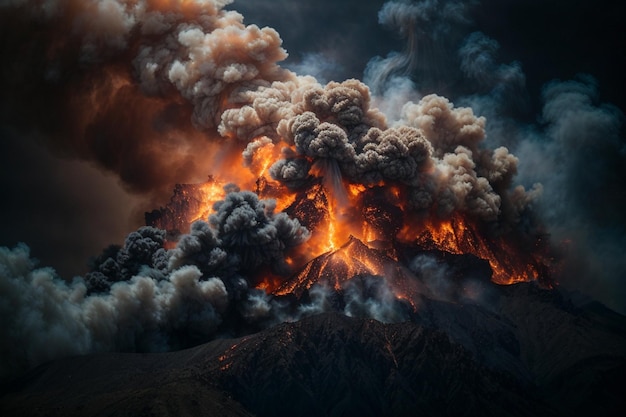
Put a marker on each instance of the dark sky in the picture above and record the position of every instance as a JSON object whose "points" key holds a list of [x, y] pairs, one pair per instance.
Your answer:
{"points": [[551, 39], [66, 209]]}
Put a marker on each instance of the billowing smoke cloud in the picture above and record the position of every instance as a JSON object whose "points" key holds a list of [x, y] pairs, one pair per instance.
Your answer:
{"points": [[143, 297], [291, 171], [123, 83], [434, 149], [579, 158], [249, 228]]}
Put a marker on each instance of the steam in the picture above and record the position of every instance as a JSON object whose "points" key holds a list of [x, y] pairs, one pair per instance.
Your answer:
{"points": [[363, 296], [372, 297]]}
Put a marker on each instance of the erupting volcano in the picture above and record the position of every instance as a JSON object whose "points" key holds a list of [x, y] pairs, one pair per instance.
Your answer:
{"points": [[390, 246], [343, 174]]}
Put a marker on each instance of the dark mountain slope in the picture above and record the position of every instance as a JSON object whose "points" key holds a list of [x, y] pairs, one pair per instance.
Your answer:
{"points": [[118, 384], [474, 349], [333, 365]]}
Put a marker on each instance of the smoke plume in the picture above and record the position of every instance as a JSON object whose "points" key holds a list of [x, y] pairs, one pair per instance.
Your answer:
{"points": [[128, 82], [431, 29]]}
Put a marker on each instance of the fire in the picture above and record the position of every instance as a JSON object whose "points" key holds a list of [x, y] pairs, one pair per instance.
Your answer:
{"points": [[340, 222], [512, 259], [373, 215], [210, 192], [457, 235], [335, 267]]}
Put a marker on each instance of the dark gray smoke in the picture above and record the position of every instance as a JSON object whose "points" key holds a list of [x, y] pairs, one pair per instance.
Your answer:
{"points": [[578, 158], [44, 317], [249, 228], [292, 171], [430, 28], [142, 297]]}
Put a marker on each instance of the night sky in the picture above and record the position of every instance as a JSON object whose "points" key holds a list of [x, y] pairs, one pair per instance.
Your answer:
{"points": [[67, 204]]}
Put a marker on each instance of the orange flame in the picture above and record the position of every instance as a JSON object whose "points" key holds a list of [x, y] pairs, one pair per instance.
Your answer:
{"points": [[510, 264], [374, 214]]}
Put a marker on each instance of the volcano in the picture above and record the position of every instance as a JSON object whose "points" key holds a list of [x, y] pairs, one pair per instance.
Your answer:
{"points": [[361, 247], [337, 267], [471, 348]]}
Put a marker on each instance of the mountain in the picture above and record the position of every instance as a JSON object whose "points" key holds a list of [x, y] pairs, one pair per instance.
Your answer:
{"points": [[532, 353], [457, 345]]}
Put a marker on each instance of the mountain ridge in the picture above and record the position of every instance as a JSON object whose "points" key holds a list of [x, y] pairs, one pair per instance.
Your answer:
{"points": [[561, 360]]}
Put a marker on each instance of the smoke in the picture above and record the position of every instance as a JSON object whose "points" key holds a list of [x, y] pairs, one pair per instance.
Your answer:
{"points": [[249, 228], [67, 210], [505, 83], [292, 171], [143, 297], [430, 28], [434, 148], [136, 78], [44, 318], [578, 157]]}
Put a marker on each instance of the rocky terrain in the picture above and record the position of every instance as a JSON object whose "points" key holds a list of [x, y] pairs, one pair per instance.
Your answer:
{"points": [[527, 351]]}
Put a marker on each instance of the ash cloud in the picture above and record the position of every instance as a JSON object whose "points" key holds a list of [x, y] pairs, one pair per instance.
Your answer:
{"points": [[578, 158], [126, 86], [249, 228], [291, 171], [434, 148], [143, 297]]}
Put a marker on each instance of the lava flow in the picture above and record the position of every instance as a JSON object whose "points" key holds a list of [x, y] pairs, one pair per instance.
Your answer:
{"points": [[359, 236]]}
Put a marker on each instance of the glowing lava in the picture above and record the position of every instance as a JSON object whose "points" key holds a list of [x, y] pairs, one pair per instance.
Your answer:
{"points": [[373, 216], [510, 263]]}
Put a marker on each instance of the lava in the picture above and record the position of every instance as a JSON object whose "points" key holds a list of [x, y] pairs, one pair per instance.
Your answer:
{"points": [[374, 217]]}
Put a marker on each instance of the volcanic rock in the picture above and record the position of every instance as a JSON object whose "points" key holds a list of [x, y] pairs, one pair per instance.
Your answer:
{"points": [[533, 353], [336, 267]]}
